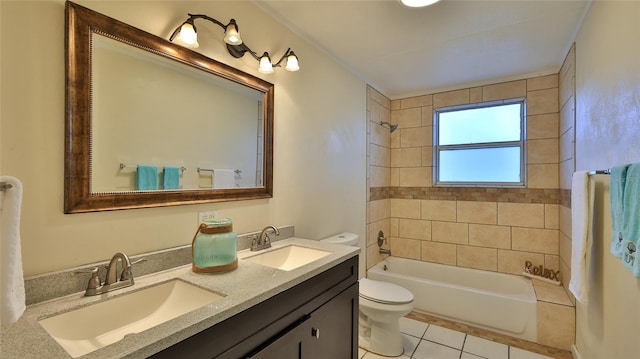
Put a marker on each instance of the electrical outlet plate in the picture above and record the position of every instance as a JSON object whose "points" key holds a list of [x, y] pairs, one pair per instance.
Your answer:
{"points": [[207, 215]]}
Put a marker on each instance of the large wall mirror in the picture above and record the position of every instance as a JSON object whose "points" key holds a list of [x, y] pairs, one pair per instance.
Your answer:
{"points": [[150, 123]]}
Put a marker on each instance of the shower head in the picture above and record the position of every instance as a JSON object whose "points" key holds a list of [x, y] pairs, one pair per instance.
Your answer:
{"points": [[391, 127]]}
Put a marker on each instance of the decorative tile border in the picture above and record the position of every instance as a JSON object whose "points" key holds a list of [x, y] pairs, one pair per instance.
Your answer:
{"points": [[477, 194], [565, 198]]}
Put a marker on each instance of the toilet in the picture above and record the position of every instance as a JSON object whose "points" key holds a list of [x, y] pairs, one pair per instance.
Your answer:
{"points": [[381, 305]]}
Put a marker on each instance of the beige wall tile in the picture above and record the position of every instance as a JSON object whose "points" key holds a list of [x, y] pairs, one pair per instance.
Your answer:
{"points": [[373, 256], [551, 216], [450, 232], [535, 240], [394, 141], [542, 151], [415, 229], [477, 257], [374, 228], [378, 210], [542, 82], [556, 325], [475, 94], [567, 116], [439, 210], [451, 98], [542, 126], [416, 136], [477, 212], [542, 101], [543, 176], [379, 176], [417, 101], [566, 171], [406, 248], [395, 177], [379, 155], [513, 261], [406, 157], [566, 146], [405, 208], [427, 116], [395, 105], [394, 227], [521, 214], [406, 118], [490, 236], [504, 90], [379, 98], [427, 156], [552, 262], [565, 221], [565, 250], [439, 252], [415, 177]]}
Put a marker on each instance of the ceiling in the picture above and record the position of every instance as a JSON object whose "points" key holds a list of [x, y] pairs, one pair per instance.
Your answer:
{"points": [[405, 52]]}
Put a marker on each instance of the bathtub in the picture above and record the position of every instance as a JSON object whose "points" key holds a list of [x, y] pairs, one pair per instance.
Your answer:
{"points": [[499, 302]]}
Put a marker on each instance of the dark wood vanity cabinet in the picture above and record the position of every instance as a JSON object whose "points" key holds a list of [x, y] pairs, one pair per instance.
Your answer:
{"points": [[317, 318]]}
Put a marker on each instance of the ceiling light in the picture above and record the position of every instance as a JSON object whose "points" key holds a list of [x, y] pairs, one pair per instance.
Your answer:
{"points": [[186, 35], [418, 3]]}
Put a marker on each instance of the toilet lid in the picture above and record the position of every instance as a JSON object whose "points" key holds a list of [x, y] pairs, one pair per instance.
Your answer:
{"points": [[383, 292]]}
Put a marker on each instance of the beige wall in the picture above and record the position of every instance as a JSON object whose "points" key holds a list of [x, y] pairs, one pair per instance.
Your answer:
{"points": [[320, 136], [607, 133]]}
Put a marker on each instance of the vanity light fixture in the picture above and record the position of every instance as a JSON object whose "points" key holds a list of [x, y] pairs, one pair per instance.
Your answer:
{"points": [[187, 36], [418, 3]]}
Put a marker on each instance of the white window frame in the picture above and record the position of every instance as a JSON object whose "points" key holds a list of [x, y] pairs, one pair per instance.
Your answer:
{"points": [[521, 143]]}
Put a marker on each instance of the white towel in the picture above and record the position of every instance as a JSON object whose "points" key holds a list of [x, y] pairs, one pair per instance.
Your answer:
{"points": [[12, 284], [223, 178], [582, 196]]}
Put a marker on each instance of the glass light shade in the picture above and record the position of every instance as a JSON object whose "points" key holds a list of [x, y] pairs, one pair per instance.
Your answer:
{"points": [[231, 35], [188, 36], [292, 62], [265, 66], [418, 3]]}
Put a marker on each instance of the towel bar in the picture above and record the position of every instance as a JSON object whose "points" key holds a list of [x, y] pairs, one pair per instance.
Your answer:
{"points": [[211, 170], [600, 172], [5, 186], [124, 165]]}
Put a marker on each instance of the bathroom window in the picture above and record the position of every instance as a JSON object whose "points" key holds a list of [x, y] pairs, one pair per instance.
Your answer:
{"points": [[480, 145]]}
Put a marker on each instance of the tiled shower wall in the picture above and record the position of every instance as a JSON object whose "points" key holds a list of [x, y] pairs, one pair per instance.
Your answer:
{"points": [[567, 157], [495, 229]]}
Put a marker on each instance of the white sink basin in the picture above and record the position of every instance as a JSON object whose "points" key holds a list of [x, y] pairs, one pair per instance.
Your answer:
{"points": [[288, 258], [86, 329]]}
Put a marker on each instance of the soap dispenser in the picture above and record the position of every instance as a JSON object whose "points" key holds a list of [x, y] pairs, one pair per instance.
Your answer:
{"points": [[214, 247]]}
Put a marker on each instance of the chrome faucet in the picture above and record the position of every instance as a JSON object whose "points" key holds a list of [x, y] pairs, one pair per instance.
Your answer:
{"points": [[263, 241], [112, 280]]}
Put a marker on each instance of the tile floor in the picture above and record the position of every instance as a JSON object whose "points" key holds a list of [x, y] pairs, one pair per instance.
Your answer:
{"points": [[429, 341]]}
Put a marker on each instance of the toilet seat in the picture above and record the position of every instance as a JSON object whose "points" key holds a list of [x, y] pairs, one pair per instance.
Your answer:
{"points": [[384, 293]]}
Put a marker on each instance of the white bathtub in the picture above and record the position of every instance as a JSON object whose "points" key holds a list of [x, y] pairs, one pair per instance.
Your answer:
{"points": [[494, 301]]}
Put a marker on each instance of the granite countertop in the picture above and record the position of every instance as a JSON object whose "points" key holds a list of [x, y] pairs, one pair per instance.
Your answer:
{"points": [[243, 288]]}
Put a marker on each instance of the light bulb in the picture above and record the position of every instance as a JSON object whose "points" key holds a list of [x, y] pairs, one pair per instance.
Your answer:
{"points": [[292, 62], [265, 67], [231, 35], [188, 36], [418, 3]]}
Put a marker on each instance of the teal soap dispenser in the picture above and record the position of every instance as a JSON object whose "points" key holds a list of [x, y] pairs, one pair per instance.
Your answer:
{"points": [[214, 247]]}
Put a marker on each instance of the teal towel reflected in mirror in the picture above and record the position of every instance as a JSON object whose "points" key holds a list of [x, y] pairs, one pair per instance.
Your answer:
{"points": [[146, 178], [171, 177]]}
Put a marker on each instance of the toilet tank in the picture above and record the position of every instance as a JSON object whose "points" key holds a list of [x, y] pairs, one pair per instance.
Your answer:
{"points": [[349, 239]]}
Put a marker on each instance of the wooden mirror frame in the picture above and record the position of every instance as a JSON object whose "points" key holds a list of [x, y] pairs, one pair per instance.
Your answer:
{"points": [[80, 24]]}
